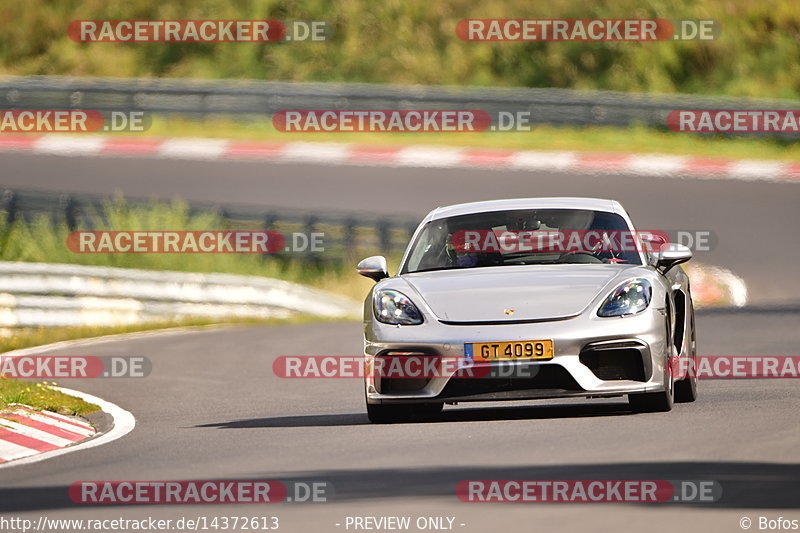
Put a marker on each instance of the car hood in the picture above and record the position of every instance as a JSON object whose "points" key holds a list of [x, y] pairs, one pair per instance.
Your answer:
{"points": [[489, 294]]}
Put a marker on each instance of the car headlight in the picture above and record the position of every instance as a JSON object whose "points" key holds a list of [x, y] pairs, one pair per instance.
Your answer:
{"points": [[628, 299], [392, 307]]}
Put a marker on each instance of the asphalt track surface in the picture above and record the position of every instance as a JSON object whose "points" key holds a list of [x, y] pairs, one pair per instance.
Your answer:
{"points": [[212, 409]]}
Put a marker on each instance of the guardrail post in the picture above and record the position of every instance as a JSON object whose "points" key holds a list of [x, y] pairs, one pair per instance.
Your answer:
{"points": [[70, 211], [269, 225], [10, 206], [309, 256], [350, 245], [385, 236], [269, 221]]}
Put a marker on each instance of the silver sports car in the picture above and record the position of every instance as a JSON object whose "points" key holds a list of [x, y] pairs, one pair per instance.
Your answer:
{"points": [[527, 299]]}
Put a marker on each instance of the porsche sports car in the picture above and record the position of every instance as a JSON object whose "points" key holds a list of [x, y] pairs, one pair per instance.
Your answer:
{"points": [[488, 310]]}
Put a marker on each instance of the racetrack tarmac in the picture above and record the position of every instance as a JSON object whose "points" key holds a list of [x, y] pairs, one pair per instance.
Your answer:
{"points": [[212, 409]]}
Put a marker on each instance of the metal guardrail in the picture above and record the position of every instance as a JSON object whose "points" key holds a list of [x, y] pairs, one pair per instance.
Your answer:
{"points": [[256, 100], [45, 295], [346, 237]]}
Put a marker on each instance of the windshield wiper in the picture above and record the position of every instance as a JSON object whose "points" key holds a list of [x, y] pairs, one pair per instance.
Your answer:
{"points": [[434, 269]]}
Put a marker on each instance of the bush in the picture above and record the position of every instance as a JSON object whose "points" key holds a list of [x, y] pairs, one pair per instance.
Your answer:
{"points": [[414, 42]]}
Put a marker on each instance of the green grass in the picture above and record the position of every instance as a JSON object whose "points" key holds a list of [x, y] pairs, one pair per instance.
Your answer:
{"points": [[637, 139], [42, 396]]}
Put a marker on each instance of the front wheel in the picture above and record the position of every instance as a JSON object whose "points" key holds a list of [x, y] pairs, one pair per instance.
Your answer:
{"points": [[387, 414], [654, 402], [428, 409], [686, 389]]}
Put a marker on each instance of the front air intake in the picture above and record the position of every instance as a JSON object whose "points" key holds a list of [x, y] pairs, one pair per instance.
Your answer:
{"points": [[622, 361]]}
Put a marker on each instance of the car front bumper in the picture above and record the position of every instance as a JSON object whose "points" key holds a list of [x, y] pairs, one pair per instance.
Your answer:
{"points": [[570, 373]]}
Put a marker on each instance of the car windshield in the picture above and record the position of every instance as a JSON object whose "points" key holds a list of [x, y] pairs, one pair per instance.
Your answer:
{"points": [[523, 237]]}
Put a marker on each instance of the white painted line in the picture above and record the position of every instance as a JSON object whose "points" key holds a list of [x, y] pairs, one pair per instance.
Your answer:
{"points": [[542, 160], [34, 433], [316, 152], [124, 422], [193, 148], [69, 144], [10, 451], [66, 426]]}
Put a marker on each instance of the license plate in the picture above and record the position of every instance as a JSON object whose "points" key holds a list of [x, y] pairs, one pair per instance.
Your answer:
{"points": [[509, 351]]}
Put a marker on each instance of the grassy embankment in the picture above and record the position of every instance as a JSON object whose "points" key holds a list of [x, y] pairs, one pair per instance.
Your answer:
{"points": [[415, 42], [42, 396]]}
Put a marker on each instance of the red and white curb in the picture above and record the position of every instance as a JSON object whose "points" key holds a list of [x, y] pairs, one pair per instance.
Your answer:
{"points": [[25, 432], [28, 436], [405, 156]]}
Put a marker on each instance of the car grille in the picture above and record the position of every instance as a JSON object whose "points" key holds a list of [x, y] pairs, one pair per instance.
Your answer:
{"points": [[615, 362], [553, 378], [389, 385]]}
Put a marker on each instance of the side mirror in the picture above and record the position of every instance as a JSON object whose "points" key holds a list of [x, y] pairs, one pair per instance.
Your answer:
{"points": [[374, 268], [673, 254]]}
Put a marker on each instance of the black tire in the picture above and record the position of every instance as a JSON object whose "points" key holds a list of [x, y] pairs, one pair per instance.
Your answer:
{"points": [[428, 409], [651, 402], [686, 389], [658, 402], [387, 414], [654, 402]]}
